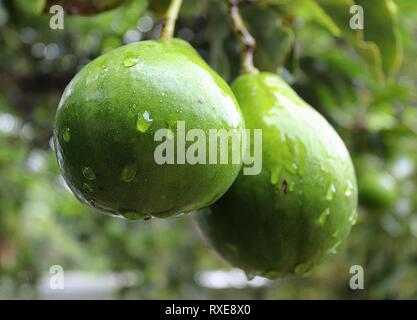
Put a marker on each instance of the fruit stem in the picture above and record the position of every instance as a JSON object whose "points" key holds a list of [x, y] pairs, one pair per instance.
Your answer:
{"points": [[171, 18], [248, 42]]}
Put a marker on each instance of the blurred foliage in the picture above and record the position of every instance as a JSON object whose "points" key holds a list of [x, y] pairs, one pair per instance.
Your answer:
{"points": [[362, 81]]}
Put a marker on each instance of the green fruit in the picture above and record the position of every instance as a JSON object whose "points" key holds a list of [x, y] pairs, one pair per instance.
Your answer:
{"points": [[84, 7], [377, 189], [302, 205], [107, 118]]}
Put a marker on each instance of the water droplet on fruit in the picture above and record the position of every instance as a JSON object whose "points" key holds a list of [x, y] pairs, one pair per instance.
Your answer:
{"points": [[331, 192], [333, 249], [128, 172], [323, 216], [88, 173], [66, 135], [295, 166], [291, 168], [349, 188], [130, 62], [353, 217], [143, 122], [87, 188]]}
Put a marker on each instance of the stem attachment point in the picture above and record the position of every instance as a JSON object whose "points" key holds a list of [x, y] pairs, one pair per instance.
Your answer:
{"points": [[170, 19]]}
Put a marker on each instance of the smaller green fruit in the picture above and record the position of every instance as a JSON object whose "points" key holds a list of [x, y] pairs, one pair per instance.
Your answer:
{"points": [[377, 189], [302, 205]]}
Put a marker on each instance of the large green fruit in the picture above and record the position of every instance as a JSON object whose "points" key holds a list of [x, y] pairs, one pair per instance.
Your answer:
{"points": [[107, 118], [302, 205]]}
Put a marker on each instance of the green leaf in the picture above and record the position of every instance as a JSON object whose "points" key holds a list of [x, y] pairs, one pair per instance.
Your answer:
{"points": [[31, 7], [381, 28], [309, 10], [274, 39], [379, 43], [218, 29]]}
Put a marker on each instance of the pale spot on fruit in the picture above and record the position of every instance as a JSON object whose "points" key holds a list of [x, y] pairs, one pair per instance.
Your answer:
{"points": [[200, 100], [66, 135], [128, 172], [143, 122], [88, 173]]}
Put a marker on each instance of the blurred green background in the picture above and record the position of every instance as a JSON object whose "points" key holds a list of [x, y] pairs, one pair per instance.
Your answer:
{"points": [[362, 81]]}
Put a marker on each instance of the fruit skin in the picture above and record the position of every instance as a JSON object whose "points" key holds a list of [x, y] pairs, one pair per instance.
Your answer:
{"points": [[108, 163], [276, 223], [84, 7]]}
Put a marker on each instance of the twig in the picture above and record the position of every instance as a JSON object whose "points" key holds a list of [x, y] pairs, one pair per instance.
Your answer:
{"points": [[246, 39]]}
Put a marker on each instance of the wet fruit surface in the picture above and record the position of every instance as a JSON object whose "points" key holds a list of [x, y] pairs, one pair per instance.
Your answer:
{"points": [[301, 207], [107, 118]]}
